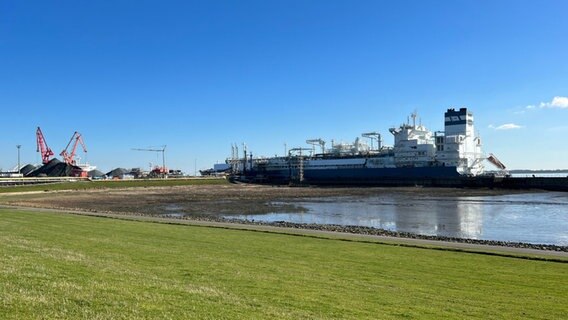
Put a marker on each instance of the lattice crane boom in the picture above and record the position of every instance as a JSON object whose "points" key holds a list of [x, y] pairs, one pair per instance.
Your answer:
{"points": [[161, 170], [42, 147], [76, 139]]}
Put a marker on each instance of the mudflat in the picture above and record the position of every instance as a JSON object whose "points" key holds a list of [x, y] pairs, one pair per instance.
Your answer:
{"points": [[210, 200], [209, 203]]}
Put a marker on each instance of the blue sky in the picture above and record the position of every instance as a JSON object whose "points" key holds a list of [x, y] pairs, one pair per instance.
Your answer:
{"points": [[198, 76]]}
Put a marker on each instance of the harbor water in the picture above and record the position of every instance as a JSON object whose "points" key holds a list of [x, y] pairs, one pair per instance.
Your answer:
{"points": [[538, 218]]}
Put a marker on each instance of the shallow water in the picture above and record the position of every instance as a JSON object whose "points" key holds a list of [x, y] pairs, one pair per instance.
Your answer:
{"points": [[532, 218]]}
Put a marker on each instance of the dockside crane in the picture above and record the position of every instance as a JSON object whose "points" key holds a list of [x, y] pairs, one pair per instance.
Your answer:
{"points": [[42, 147], [76, 139], [159, 170]]}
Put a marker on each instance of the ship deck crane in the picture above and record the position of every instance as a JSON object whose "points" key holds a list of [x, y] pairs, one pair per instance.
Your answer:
{"points": [[160, 170], [374, 136], [76, 139], [42, 147], [314, 143]]}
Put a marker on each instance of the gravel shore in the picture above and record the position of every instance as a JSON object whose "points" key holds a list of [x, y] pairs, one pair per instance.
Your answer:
{"points": [[376, 232]]}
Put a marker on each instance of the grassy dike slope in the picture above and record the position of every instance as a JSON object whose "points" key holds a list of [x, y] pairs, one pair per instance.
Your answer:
{"points": [[67, 266]]}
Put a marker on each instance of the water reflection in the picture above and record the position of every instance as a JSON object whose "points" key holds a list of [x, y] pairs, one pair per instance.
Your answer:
{"points": [[533, 218], [438, 216]]}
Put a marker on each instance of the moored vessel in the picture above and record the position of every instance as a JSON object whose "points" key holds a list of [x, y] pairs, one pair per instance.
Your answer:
{"points": [[418, 156]]}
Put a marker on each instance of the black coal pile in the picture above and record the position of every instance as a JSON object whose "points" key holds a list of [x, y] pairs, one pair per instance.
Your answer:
{"points": [[27, 169], [54, 168], [117, 172], [95, 174]]}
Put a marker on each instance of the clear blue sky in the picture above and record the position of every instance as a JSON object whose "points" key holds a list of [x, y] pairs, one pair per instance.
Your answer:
{"points": [[198, 76]]}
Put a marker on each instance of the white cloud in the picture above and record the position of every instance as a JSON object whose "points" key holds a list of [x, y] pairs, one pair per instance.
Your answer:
{"points": [[557, 102], [507, 126], [560, 102]]}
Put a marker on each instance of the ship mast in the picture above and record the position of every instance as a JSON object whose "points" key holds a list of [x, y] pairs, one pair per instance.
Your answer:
{"points": [[414, 115]]}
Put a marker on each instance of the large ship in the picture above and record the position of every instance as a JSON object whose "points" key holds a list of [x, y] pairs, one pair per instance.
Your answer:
{"points": [[418, 157]]}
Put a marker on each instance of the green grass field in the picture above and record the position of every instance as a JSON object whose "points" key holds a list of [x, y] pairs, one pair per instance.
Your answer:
{"points": [[55, 266], [105, 184]]}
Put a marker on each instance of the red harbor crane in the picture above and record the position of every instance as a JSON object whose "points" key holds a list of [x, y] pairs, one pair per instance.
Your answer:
{"points": [[69, 158], [42, 147]]}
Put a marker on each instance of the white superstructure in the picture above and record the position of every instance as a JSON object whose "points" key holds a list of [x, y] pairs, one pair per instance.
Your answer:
{"points": [[413, 145], [457, 145]]}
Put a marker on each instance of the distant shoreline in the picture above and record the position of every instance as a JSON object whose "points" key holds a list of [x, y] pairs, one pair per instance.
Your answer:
{"points": [[538, 171]]}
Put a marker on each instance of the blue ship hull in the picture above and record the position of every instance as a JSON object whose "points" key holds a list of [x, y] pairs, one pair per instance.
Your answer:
{"points": [[354, 176], [399, 177], [377, 174]]}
